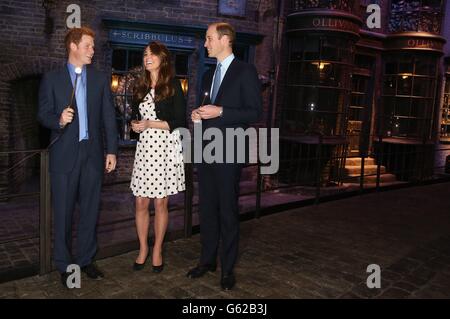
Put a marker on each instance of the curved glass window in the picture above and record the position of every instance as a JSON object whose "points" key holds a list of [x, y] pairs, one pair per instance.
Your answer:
{"points": [[408, 95], [318, 85]]}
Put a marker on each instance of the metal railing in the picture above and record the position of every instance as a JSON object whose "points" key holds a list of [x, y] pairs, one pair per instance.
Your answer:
{"points": [[317, 170]]}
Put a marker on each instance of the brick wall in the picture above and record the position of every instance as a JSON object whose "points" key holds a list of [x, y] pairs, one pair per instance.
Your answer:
{"points": [[24, 133]]}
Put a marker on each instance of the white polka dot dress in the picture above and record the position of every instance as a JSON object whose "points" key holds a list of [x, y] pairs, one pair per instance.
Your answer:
{"points": [[158, 169]]}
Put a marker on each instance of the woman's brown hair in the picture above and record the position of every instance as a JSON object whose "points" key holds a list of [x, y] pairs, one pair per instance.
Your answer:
{"points": [[164, 87]]}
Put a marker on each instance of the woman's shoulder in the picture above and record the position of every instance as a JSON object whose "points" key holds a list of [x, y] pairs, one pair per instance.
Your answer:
{"points": [[143, 99]]}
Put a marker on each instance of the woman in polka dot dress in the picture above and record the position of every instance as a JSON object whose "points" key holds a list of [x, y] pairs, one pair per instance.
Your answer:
{"points": [[158, 170]]}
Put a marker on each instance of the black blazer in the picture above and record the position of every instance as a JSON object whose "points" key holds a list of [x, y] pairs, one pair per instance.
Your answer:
{"points": [[239, 95], [172, 110], [54, 95]]}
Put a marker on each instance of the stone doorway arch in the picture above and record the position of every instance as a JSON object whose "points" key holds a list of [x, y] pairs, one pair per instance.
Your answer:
{"points": [[19, 129]]}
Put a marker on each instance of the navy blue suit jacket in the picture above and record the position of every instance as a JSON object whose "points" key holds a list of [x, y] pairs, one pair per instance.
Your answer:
{"points": [[54, 95], [239, 96]]}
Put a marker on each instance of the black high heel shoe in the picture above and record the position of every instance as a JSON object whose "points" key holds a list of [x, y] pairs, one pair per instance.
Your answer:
{"points": [[137, 267], [158, 269]]}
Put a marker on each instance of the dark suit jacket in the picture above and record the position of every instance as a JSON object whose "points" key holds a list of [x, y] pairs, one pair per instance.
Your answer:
{"points": [[239, 95], [54, 96], [172, 110]]}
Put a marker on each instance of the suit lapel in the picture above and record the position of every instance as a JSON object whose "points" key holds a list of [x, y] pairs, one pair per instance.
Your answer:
{"points": [[89, 83], [228, 78], [208, 82], [68, 87]]}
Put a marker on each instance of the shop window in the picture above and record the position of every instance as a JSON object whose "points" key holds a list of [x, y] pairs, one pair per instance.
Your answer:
{"points": [[318, 85], [126, 66], [408, 95]]}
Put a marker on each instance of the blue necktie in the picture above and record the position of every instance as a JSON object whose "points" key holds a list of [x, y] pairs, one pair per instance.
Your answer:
{"points": [[216, 83], [80, 95]]}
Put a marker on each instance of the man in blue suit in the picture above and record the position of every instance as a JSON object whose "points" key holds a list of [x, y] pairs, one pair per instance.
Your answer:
{"points": [[235, 102], [77, 151]]}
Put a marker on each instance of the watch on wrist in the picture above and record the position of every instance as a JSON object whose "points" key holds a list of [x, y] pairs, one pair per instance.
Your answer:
{"points": [[221, 112]]}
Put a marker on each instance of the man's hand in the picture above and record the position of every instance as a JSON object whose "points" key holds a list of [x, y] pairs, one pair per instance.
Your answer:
{"points": [[66, 116], [209, 111], [110, 164], [195, 116]]}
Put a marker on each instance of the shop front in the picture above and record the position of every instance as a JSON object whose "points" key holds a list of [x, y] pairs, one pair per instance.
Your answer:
{"points": [[321, 48], [407, 121]]}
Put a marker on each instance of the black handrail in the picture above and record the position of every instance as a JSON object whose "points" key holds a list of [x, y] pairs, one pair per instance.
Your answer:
{"points": [[380, 153]]}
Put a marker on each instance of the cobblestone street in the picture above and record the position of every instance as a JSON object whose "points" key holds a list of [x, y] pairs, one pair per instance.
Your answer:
{"points": [[312, 252]]}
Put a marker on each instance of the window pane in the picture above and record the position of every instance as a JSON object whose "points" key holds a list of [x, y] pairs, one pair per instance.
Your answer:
{"points": [[355, 100], [420, 108], [405, 65], [311, 49], [296, 50], [422, 87], [389, 106], [307, 98], [404, 85], [119, 59], [329, 74], [405, 127], [311, 73], [327, 100], [134, 59], [359, 84], [363, 61], [330, 51], [181, 64], [425, 66], [295, 73], [355, 114], [402, 107], [389, 86]]}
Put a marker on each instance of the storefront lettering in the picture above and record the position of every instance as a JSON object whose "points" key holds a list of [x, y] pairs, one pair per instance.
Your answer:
{"points": [[141, 37], [332, 23], [416, 43]]}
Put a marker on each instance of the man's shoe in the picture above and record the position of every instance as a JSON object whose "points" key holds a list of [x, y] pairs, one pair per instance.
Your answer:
{"points": [[228, 282], [92, 272], [200, 270], [64, 277]]}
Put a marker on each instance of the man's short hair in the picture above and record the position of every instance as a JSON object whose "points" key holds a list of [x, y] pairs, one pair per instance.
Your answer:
{"points": [[224, 28], [75, 34]]}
